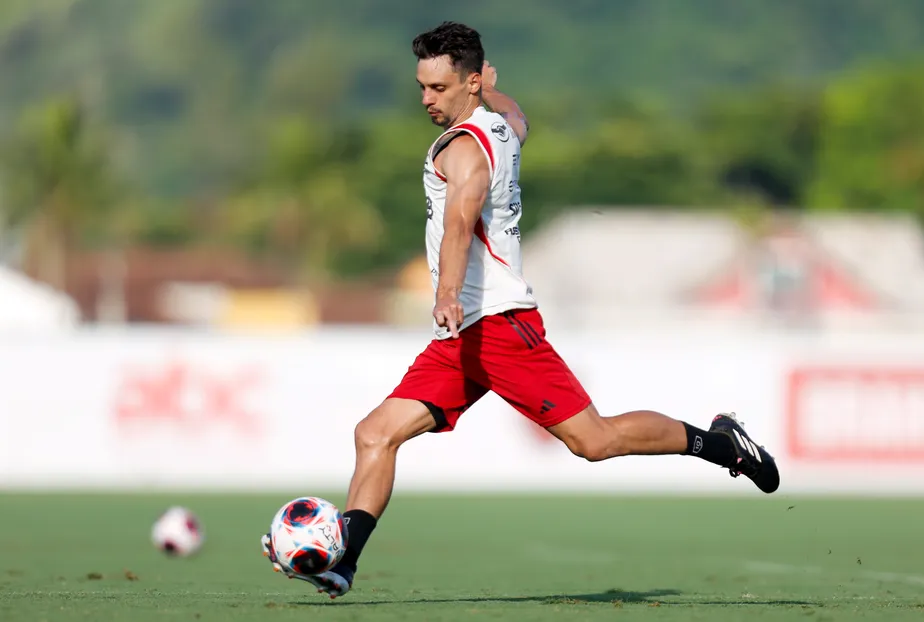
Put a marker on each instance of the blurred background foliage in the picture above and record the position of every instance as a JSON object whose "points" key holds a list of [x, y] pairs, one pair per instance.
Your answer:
{"points": [[292, 130]]}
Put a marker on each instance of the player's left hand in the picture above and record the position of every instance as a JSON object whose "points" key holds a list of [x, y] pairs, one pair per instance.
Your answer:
{"points": [[448, 312], [488, 75]]}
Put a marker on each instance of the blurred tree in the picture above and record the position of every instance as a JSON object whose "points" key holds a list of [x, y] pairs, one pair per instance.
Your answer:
{"points": [[57, 185], [194, 80], [634, 154], [303, 209], [764, 141], [872, 142], [389, 174], [305, 113]]}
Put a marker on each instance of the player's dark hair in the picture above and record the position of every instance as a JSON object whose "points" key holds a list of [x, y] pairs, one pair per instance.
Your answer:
{"points": [[457, 41]]}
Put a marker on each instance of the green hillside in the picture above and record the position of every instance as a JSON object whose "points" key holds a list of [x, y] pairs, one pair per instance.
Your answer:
{"points": [[236, 106]]}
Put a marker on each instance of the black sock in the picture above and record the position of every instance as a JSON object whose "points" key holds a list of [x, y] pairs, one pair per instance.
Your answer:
{"points": [[712, 447], [359, 527]]}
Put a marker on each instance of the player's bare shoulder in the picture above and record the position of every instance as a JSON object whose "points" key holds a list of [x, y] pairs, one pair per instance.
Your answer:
{"points": [[459, 152]]}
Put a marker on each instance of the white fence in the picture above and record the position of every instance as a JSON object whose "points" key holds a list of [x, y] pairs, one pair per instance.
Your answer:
{"points": [[175, 409]]}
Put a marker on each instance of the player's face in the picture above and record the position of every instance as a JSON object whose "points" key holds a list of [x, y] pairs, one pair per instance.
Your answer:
{"points": [[445, 92]]}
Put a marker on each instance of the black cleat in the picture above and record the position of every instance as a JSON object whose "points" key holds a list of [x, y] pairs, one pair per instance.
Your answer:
{"points": [[752, 459]]}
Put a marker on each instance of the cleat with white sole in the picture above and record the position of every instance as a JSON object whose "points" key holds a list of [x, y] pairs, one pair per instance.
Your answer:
{"points": [[336, 582]]}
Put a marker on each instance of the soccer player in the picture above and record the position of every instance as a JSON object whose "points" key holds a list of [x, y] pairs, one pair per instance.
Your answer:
{"points": [[489, 334]]}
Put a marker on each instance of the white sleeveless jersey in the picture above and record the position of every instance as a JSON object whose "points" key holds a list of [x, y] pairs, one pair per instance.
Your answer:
{"points": [[494, 280]]}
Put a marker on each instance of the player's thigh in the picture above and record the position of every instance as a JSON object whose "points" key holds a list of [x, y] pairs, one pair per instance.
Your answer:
{"points": [[512, 357], [436, 381]]}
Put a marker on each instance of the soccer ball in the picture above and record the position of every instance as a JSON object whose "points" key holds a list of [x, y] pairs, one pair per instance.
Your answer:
{"points": [[308, 535], [177, 532]]}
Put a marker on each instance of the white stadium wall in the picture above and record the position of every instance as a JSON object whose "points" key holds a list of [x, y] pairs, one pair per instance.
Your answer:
{"points": [[188, 410]]}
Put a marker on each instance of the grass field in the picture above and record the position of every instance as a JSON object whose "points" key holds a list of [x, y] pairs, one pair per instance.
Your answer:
{"points": [[80, 557]]}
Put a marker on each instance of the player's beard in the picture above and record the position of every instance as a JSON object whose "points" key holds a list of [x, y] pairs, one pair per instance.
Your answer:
{"points": [[439, 119]]}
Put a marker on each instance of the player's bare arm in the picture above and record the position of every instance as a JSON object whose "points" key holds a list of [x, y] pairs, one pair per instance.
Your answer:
{"points": [[468, 179], [504, 105]]}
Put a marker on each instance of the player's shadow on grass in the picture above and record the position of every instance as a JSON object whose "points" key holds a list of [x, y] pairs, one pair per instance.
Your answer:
{"points": [[609, 596]]}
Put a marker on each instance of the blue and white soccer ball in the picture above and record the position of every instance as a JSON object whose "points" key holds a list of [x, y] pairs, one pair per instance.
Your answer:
{"points": [[308, 535]]}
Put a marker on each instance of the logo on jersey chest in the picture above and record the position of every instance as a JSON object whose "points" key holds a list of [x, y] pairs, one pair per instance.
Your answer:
{"points": [[500, 130]]}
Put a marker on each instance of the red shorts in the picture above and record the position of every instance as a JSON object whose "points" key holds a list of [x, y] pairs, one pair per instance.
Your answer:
{"points": [[505, 353]]}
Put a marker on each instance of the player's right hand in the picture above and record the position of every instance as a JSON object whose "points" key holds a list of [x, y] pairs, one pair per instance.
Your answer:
{"points": [[448, 312], [488, 75]]}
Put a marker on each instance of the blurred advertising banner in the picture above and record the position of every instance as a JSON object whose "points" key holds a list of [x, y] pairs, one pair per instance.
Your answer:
{"points": [[856, 414], [177, 409]]}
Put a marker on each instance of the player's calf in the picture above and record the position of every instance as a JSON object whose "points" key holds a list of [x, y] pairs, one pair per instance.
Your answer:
{"points": [[640, 432]]}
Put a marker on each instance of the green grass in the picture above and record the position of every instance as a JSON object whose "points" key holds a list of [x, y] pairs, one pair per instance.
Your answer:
{"points": [[65, 557]]}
